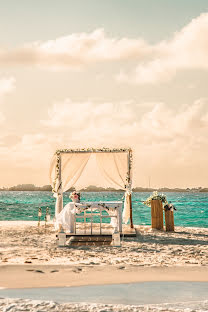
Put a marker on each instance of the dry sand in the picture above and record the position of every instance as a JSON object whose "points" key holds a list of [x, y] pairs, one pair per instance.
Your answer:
{"points": [[23, 242]]}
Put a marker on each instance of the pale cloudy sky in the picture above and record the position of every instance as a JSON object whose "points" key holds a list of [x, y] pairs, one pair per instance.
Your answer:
{"points": [[105, 73]]}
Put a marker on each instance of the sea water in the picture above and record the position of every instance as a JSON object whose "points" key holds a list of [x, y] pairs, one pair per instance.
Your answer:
{"points": [[187, 293], [192, 208]]}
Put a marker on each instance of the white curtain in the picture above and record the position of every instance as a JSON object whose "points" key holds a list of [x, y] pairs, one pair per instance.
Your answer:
{"points": [[71, 166], [52, 171], [114, 167]]}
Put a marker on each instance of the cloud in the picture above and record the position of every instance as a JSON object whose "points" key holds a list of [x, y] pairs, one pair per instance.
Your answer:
{"points": [[153, 63], [75, 50], [94, 121], [187, 50], [2, 118], [6, 85], [30, 150], [25, 159], [123, 123], [170, 146], [9, 140]]}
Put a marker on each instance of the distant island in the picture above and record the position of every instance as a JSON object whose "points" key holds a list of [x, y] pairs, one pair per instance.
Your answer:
{"points": [[27, 187], [93, 188]]}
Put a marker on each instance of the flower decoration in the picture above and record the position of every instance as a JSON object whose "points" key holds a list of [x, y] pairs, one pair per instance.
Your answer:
{"points": [[169, 207], [157, 196], [75, 196]]}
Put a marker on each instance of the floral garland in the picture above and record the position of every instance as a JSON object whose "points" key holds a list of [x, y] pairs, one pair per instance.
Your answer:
{"points": [[91, 150], [80, 208], [54, 188], [157, 196], [128, 177]]}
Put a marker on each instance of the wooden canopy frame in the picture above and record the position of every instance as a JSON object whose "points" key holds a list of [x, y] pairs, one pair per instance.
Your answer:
{"points": [[104, 150]]}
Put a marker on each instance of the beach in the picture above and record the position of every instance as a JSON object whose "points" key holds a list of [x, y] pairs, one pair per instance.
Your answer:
{"points": [[23, 242], [30, 257], [15, 305]]}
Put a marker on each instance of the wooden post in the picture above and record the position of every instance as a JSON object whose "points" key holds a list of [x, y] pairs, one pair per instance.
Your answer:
{"points": [[169, 220], [157, 214]]}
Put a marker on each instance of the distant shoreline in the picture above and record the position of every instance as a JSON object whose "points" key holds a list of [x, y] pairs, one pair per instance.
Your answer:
{"points": [[92, 188]]}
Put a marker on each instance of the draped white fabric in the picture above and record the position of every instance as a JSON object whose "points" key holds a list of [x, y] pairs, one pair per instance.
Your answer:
{"points": [[52, 171], [126, 211], [71, 167], [113, 166]]}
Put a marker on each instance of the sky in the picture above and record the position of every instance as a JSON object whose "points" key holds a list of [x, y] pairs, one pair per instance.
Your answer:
{"points": [[105, 73]]}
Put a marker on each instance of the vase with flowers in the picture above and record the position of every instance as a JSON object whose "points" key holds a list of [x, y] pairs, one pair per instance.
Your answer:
{"points": [[75, 197]]}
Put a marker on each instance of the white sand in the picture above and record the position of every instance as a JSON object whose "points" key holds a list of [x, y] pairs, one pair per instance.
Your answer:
{"points": [[22, 241]]}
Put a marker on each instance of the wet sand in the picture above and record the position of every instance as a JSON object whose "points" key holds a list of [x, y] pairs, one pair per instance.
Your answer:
{"points": [[25, 276]]}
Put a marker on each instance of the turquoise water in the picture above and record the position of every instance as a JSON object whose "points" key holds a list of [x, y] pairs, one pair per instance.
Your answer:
{"points": [[192, 208]]}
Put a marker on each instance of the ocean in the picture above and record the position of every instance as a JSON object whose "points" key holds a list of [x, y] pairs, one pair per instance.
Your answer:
{"points": [[192, 208], [176, 294]]}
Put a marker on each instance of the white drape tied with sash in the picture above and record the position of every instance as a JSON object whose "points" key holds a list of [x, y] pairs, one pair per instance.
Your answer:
{"points": [[114, 167], [70, 168]]}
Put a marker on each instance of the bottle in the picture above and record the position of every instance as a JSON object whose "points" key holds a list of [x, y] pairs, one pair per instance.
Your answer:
{"points": [[116, 240], [61, 238]]}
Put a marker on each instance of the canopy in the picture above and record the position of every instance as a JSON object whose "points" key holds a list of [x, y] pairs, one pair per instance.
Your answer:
{"points": [[115, 165]]}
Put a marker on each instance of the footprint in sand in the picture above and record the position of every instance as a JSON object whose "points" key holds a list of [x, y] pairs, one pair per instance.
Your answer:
{"points": [[77, 270], [54, 271], [121, 267], [39, 271]]}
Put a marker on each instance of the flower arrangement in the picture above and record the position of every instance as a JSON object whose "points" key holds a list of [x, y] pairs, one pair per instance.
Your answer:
{"points": [[75, 197], [169, 207], [155, 195]]}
